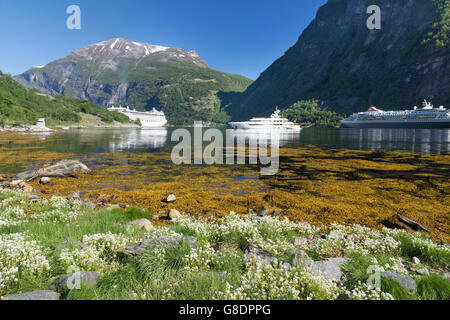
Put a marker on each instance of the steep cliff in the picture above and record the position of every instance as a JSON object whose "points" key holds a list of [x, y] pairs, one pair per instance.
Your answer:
{"points": [[337, 59]]}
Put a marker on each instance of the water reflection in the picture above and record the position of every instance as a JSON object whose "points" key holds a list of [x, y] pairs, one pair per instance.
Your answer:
{"points": [[147, 139], [428, 141], [262, 136], [415, 140]]}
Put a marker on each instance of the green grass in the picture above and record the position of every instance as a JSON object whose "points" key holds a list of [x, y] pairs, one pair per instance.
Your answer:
{"points": [[50, 235], [433, 287], [432, 255], [19, 105], [396, 290]]}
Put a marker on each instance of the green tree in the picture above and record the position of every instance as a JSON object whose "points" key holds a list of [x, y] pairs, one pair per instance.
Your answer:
{"points": [[138, 122], [312, 112]]}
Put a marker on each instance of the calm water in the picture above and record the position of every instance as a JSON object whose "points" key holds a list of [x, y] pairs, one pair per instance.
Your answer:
{"points": [[436, 141]]}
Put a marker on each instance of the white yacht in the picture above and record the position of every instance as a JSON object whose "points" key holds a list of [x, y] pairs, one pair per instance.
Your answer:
{"points": [[149, 119], [274, 122]]}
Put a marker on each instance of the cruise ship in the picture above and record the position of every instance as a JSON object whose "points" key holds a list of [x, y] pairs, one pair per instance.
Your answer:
{"points": [[426, 117], [149, 119], [265, 124]]}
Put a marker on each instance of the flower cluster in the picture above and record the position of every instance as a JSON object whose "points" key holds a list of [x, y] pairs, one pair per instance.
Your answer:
{"points": [[249, 228], [20, 255], [344, 240], [15, 209], [205, 258], [363, 292], [97, 252], [270, 282]]}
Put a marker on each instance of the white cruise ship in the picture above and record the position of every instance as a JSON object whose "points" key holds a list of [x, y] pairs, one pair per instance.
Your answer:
{"points": [[265, 124], [426, 117], [149, 119]]}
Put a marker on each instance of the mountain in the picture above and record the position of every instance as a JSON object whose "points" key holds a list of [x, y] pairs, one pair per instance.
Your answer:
{"points": [[338, 60], [119, 71], [19, 105]]}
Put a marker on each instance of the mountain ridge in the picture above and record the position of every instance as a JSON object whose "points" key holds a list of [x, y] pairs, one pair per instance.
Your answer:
{"points": [[120, 71]]}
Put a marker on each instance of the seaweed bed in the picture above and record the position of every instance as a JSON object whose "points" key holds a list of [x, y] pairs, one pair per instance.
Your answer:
{"points": [[315, 184]]}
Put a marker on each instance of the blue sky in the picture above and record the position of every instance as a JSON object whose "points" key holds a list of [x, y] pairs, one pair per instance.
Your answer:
{"points": [[242, 37]]}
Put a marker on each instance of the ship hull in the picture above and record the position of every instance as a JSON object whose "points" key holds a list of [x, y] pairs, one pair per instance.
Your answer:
{"points": [[396, 124], [146, 120], [244, 126]]}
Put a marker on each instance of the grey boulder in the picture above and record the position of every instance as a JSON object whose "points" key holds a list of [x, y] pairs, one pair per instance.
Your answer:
{"points": [[406, 282], [301, 258], [252, 252], [329, 268], [70, 281], [63, 168]]}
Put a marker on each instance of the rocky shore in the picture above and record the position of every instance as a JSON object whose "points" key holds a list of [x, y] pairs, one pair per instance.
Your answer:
{"points": [[95, 249]]}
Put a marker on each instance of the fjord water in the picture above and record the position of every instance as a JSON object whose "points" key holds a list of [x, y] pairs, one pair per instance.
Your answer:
{"points": [[95, 141], [427, 141]]}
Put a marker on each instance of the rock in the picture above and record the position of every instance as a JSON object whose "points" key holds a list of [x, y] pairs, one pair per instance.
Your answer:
{"points": [[415, 260], [423, 271], [329, 268], [141, 224], [34, 197], [401, 222], [286, 219], [406, 282], [252, 252], [171, 198], [334, 235], [63, 168], [15, 183], [277, 212], [412, 224], [174, 213], [67, 281], [45, 180], [138, 248], [27, 188], [35, 295], [210, 215], [105, 198], [155, 217], [263, 211], [301, 241], [301, 258], [75, 196]]}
